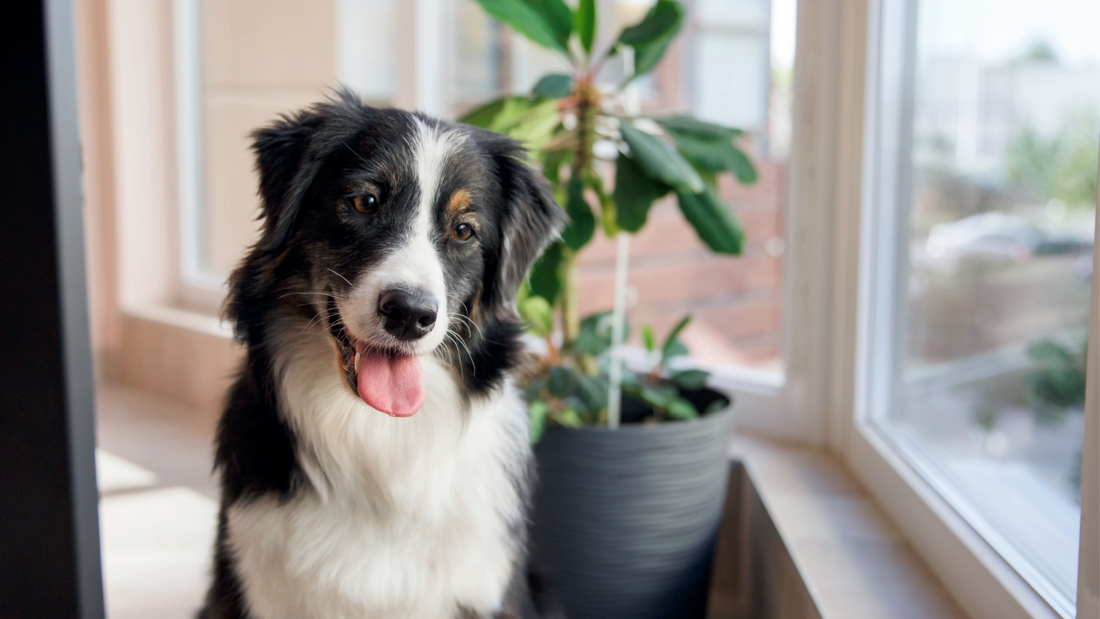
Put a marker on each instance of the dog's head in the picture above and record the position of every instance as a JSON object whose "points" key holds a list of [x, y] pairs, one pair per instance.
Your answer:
{"points": [[401, 235]]}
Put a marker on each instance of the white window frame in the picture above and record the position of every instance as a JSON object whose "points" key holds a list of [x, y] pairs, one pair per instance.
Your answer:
{"points": [[862, 350]]}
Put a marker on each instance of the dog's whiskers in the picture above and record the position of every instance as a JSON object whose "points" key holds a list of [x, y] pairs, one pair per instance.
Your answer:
{"points": [[447, 338], [341, 277], [460, 342], [320, 315], [467, 318], [466, 322]]}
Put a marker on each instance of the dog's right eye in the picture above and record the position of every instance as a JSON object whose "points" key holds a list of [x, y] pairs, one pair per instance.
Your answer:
{"points": [[365, 203]]}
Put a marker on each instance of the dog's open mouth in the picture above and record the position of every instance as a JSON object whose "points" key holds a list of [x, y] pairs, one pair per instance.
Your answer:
{"points": [[389, 381]]}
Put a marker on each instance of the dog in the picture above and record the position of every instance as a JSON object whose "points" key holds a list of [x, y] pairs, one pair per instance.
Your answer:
{"points": [[373, 452]]}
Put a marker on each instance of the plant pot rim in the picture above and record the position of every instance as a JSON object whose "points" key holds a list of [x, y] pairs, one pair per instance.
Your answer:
{"points": [[712, 417]]}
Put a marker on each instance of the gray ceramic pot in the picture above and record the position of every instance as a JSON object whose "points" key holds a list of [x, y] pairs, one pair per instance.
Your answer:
{"points": [[625, 520]]}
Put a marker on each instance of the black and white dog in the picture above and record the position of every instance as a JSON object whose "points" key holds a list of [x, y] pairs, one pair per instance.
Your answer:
{"points": [[374, 452]]}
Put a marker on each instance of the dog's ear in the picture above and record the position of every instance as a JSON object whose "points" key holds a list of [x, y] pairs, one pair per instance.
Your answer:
{"points": [[529, 221], [286, 170], [290, 153], [285, 173]]}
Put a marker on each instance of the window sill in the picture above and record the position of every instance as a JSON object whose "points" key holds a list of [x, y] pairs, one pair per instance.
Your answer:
{"points": [[183, 355], [802, 539]]}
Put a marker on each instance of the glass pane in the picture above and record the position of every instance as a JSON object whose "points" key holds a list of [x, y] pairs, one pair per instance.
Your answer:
{"points": [[1002, 204]]}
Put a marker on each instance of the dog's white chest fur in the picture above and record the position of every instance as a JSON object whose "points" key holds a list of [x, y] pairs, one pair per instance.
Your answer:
{"points": [[406, 518]]}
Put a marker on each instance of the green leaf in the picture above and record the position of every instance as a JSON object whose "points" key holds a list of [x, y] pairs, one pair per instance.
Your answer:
{"points": [[589, 344], [592, 391], [552, 163], [674, 335], [584, 22], [716, 406], [679, 408], [568, 418], [512, 113], [648, 339], [658, 396], [561, 381], [538, 20], [742, 167], [582, 223], [656, 24], [535, 127], [538, 313], [595, 335], [533, 391], [713, 221], [635, 193], [676, 349], [607, 205], [691, 379], [651, 37], [716, 154], [660, 161], [526, 119], [699, 128], [536, 420], [485, 115], [545, 277], [557, 14], [554, 86]]}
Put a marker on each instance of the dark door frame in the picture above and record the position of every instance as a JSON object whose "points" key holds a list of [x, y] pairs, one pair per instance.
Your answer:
{"points": [[49, 526]]}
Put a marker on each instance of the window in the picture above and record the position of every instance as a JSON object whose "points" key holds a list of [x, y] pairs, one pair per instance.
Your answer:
{"points": [[988, 125], [239, 64]]}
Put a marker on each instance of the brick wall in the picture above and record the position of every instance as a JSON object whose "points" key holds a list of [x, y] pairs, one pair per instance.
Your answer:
{"points": [[736, 301]]}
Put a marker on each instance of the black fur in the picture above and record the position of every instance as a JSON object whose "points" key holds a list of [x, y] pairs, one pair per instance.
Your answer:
{"points": [[311, 243]]}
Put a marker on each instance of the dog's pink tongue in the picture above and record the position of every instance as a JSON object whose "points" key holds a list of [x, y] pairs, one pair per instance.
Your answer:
{"points": [[393, 384]]}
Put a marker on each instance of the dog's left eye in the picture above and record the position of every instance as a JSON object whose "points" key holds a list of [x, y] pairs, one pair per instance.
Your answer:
{"points": [[366, 203], [462, 232]]}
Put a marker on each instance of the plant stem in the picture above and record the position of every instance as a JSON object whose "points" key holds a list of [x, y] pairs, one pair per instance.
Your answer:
{"points": [[587, 105], [570, 312]]}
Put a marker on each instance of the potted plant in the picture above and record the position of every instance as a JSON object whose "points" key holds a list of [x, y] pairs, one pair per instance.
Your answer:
{"points": [[625, 515]]}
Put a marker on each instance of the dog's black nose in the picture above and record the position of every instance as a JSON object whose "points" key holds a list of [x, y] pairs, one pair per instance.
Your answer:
{"points": [[408, 314]]}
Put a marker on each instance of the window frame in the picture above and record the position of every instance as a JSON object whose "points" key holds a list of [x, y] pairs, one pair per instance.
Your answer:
{"points": [[976, 574]]}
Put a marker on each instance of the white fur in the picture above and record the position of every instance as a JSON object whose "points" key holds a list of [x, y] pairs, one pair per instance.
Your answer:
{"points": [[416, 263], [406, 518]]}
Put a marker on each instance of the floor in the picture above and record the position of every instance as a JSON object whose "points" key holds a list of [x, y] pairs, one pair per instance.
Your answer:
{"points": [[158, 506]]}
